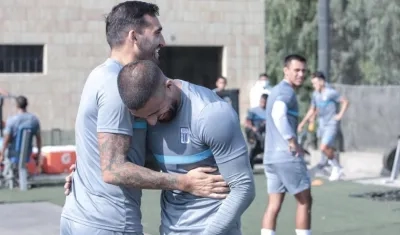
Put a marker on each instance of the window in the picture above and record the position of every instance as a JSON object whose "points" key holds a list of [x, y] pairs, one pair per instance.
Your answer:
{"points": [[21, 58]]}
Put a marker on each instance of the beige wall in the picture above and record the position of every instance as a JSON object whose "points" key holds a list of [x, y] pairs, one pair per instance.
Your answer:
{"points": [[73, 32]]}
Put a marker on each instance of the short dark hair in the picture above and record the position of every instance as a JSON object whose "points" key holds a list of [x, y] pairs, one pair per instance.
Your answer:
{"points": [[291, 57], [263, 75], [221, 77], [22, 102], [138, 82], [264, 96], [127, 16], [319, 75]]}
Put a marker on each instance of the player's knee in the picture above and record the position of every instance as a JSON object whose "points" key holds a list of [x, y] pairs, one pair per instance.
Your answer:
{"points": [[274, 208], [304, 198]]}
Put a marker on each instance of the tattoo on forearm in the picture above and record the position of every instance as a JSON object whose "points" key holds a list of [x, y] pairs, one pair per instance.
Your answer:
{"points": [[114, 150]]}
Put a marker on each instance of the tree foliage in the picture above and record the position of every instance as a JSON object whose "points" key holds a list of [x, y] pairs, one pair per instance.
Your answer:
{"points": [[365, 40]]}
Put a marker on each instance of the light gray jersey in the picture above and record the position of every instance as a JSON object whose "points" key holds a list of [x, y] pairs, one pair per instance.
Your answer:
{"points": [[93, 202], [205, 132], [326, 103], [278, 147]]}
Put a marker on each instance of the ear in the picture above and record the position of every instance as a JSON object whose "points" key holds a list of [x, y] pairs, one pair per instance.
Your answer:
{"points": [[132, 111], [169, 83], [132, 36], [285, 69]]}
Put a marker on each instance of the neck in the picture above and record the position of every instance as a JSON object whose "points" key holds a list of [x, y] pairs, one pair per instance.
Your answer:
{"points": [[21, 111], [289, 82], [178, 95], [122, 56]]}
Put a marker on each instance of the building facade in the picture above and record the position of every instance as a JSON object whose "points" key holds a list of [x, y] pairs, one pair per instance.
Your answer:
{"points": [[48, 48]]}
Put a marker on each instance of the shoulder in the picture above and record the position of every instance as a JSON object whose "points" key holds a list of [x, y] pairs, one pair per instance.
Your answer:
{"points": [[200, 96], [11, 120], [105, 74], [331, 90], [287, 91], [218, 111], [215, 117], [102, 83], [252, 110], [34, 117]]}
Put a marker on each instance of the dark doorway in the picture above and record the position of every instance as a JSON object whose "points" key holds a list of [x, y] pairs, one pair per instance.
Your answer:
{"points": [[198, 65]]}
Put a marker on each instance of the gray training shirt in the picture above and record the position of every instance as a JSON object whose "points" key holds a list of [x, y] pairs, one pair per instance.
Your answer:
{"points": [[278, 147], [93, 202], [326, 102], [205, 132], [13, 128]]}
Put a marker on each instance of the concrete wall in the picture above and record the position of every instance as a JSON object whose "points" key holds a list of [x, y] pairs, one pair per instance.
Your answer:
{"points": [[372, 121], [73, 34]]}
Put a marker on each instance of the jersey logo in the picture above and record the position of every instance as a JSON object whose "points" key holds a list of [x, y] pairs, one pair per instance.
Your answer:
{"points": [[185, 135]]}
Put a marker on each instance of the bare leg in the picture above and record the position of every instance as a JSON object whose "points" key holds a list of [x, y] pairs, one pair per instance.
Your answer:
{"points": [[328, 151], [275, 201], [303, 215], [336, 168]]}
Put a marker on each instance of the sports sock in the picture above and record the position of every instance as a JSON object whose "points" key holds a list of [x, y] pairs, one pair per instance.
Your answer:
{"points": [[303, 232], [265, 231], [335, 163]]}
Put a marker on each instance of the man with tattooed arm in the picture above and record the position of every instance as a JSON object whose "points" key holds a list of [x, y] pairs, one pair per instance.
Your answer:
{"points": [[105, 194]]}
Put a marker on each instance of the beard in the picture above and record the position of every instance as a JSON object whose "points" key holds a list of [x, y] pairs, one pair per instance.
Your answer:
{"points": [[170, 114], [148, 52]]}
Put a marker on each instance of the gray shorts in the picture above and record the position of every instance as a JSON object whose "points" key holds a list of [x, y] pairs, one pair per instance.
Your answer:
{"points": [[189, 230], [290, 177], [168, 232], [69, 227], [328, 135]]}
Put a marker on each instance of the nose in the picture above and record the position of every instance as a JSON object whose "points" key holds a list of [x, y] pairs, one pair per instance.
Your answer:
{"points": [[162, 42]]}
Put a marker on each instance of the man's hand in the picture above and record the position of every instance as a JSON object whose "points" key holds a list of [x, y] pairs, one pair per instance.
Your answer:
{"points": [[296, 148], [300, 127], [203, 184], [68, 180], [338, 117]]}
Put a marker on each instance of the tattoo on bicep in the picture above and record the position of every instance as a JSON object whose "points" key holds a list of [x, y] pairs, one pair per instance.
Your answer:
{"points": [[113, 156], [113, 150]]}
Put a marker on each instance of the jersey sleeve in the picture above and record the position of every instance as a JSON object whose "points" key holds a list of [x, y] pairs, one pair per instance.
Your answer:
{"points": [[113, 116], [250, 115], [10, 123], [279, 117], [335, 96], [285, 97], [219, 129], [37, 122]]}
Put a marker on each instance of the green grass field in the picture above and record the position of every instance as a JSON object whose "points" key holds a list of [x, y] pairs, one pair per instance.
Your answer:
{"points": [[334, 212]]}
